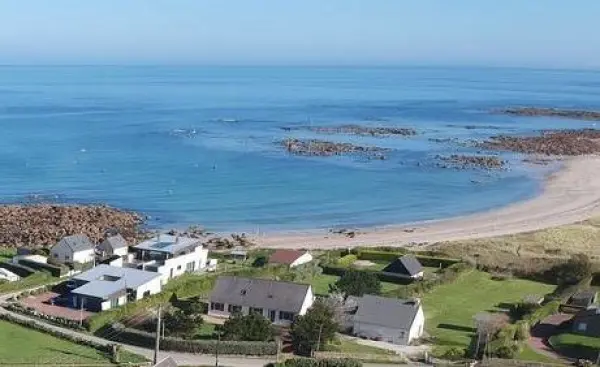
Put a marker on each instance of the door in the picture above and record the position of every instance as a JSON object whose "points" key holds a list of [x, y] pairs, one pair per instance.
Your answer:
{"points": [[272, 314], [171, 276]]}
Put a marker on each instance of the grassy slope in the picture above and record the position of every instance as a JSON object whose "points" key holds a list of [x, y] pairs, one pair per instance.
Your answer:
{"points": [[35, 279], [528, 354], [20, 345], [449, 309]]}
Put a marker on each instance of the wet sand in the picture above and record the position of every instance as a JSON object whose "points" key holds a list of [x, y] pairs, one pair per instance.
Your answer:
{"points": [[570, 195]]}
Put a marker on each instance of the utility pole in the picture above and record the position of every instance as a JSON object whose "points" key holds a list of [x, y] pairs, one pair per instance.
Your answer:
{"points": [[157, 342], [217, 349]]}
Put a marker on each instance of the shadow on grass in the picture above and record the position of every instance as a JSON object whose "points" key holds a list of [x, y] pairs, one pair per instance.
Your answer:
{"points": [[77, 356], [466, 329]]}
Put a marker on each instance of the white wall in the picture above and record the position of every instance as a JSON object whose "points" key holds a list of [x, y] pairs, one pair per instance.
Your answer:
{"points": [[154, 286], [306, 258], [106, 304], [179, 264], [416, 330], [392, 335], [66, 255], [121, 251], [308, 301], [34, 258]]}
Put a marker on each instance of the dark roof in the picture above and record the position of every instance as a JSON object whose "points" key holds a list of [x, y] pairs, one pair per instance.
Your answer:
{"points": [[23, 251], [260, 293], [583, 298], [593, 313], [388, 312], [407, 265], [115, 242], [77, 242], [285, 257]]}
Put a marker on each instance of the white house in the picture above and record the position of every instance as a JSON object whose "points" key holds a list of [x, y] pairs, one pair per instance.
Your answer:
{"points": [[113, 246], [104, 287], [73, 249], [388, 319], [280, 302], [171, 256], [290, 258], [8, 275]]}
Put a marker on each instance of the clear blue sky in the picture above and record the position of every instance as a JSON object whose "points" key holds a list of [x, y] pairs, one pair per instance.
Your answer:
{"points": [[547, 33]]}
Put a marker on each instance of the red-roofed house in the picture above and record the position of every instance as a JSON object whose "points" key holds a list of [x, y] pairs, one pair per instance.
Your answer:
{"points": [[290, 258]]}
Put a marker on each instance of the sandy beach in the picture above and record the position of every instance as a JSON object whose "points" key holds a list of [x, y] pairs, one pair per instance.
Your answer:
{"points": [[570, 195]]}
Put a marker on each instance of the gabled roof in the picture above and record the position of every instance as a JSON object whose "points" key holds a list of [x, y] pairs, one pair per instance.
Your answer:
{"points": [[76, 243], [388, 312], [405, 265], [115, 242], [260, 293], [285, 257]]}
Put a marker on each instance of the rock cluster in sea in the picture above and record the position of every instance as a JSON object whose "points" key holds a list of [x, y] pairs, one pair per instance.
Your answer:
{"points": [[552, 112], [553, 142], [364, 130], [322, 148], [43, 225], [461, 161]]}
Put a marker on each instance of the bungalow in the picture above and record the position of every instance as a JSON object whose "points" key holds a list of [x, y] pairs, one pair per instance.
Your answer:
{"points": [[8, 275], [278, 301], [406, 266], [171, 256], [290, 258], [104, 287], [113, 246], [73, 249], [388, 319], [587, 322]]}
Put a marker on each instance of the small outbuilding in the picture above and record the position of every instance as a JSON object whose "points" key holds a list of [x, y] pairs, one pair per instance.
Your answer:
{"points": [[238, 253], [290, 258], [113, 246], [406, 266]]}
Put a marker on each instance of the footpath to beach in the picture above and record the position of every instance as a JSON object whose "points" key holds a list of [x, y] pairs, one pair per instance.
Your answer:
{"points": [[570, 195]]}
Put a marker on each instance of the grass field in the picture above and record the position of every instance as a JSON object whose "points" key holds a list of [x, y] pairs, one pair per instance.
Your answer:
{"points": [[7, 254], [450, 308], [574, 340], [22, 345], [528, 354], [321, 284], [352, 347]]}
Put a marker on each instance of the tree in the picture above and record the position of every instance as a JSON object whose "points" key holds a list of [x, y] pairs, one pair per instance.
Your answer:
{"points": [[577, 268], [313, 330], [179, 324], [358, 283], [251, 327]]}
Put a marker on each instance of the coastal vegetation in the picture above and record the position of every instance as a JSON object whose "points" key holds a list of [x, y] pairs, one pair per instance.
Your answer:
{"points": [[552, 112]]}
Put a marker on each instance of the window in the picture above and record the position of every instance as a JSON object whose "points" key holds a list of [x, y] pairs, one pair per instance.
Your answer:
{"points": [[256, 310], [289, 316], [217, 306], [56, 256], [582, 326], [178, 267], [190, 267], [234, 308], [114, 302], [66, 257]]}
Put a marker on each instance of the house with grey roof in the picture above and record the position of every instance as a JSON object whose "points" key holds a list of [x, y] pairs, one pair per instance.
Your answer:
{"points": [[113, 246], [280, 302], [73, 249], [406, 266], [390, 320], [104, 287]]}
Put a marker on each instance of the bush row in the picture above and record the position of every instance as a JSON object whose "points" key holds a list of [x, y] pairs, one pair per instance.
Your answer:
{"points": [[445, 276], [120, 333], [20, 270], [430, 261], [311, 362], [384, 277], [29, 311], [55, 270]]}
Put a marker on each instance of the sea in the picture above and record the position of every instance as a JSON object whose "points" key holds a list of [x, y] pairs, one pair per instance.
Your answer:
{"points": [[199, 145]]}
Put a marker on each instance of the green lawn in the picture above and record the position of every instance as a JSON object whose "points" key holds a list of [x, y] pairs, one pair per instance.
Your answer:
{"points": [[7, 254], [22, 345], [34, 280], [528, 354], [205, 331], [575, 340], [321, 284], [352, 347], [450, 308]]}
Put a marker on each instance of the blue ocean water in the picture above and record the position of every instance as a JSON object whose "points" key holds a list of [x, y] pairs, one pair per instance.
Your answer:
{"points": [[198, 145]]}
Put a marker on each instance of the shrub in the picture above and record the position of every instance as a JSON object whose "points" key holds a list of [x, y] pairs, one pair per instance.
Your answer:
{"points": [[29, 311], [347, 260], [251, 327], [522, 332], [577, 268], [378, 255], [325, 362], [317, 325], [454, 353], [260, 261], [356, 283], [120, 333]]}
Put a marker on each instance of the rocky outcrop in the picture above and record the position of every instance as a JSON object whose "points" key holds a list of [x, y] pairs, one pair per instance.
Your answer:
{"points": [[43, 225], [322, 148], [552, 142], [552, 112], [364, 130], [460, 161]]}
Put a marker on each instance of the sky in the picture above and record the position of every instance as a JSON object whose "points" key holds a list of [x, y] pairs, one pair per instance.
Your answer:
{"points": [[535, 33]]}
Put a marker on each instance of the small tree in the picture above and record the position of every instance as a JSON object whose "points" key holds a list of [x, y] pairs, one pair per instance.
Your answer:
{"points": [[180, 324], [358, 283], [251, 327], [313, 330]]}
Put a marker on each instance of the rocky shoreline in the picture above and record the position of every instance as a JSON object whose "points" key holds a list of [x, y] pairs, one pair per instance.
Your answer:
{"points": [[460, 161], [323, 148], [552, 112], [43, 225], [550, 143]]}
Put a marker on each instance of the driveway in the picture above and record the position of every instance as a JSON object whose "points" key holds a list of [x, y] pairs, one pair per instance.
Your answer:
{"points": [[406, 350]]}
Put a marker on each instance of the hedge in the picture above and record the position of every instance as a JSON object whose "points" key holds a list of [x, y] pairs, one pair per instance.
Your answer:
{"points": [[20, 270], [59, 321], [347, 260], [325, 362], [120, 333], [384, 277], [430, 261], [55, 270]]}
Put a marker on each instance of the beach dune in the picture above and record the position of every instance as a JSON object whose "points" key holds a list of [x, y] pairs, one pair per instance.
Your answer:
{"points": [[570, 195]]}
